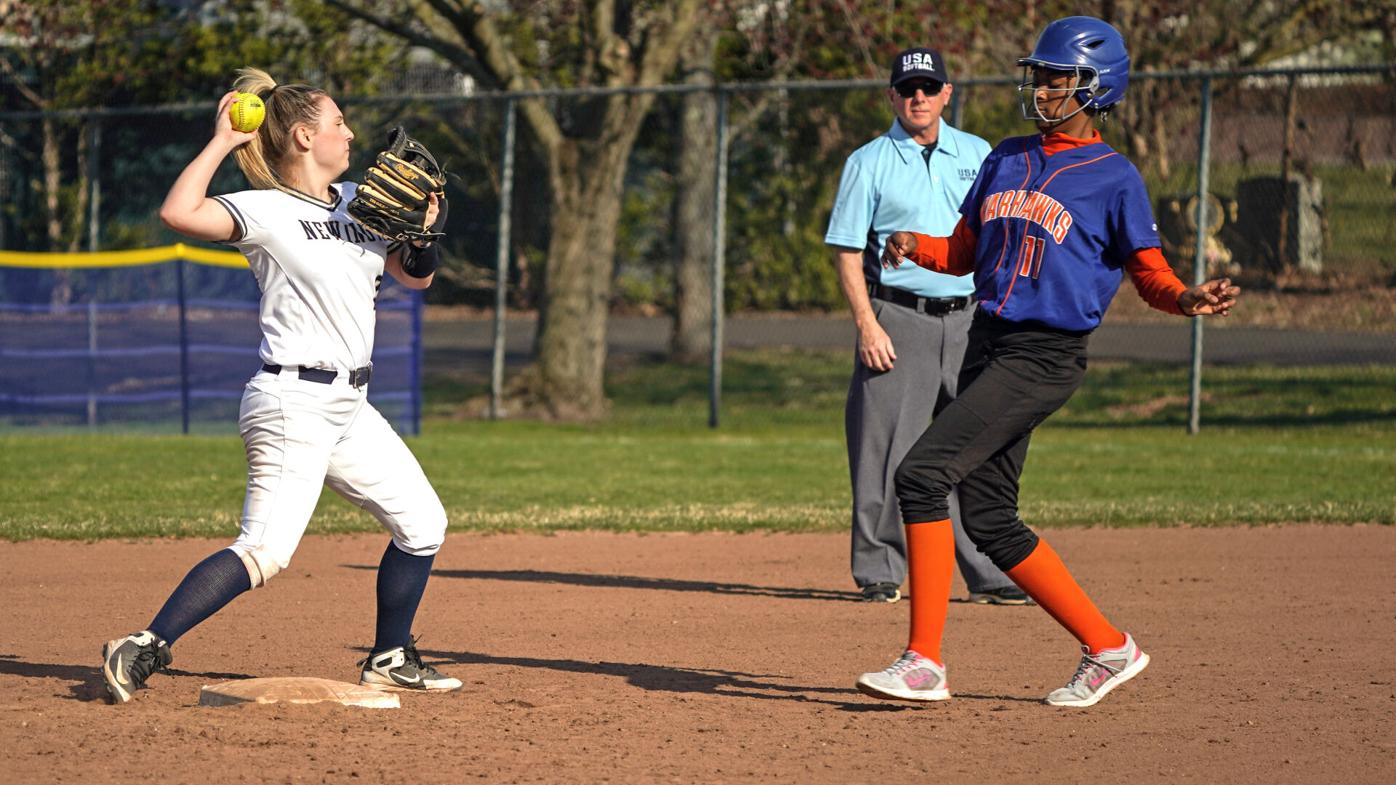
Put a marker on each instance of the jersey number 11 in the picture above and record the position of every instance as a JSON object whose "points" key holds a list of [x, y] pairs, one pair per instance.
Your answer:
{"points": [[1030, 258]]}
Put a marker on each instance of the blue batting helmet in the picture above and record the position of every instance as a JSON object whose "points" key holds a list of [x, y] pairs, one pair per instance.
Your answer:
{"points": [[1084, 43]]}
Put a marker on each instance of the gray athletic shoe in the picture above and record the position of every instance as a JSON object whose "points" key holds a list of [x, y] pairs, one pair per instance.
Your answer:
{"points": [[911, 678], [127, 662], [1100, 673], [402, 669]]}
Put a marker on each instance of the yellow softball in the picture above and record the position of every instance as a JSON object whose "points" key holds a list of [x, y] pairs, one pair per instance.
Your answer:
{"points": [[246, 112]]}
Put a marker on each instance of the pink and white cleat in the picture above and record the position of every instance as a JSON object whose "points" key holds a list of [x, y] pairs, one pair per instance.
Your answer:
{"points": [[1100, 673], [911, 678]]}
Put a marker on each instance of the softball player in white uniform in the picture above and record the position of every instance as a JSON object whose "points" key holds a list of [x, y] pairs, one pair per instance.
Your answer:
{"points": [[305, 419]]}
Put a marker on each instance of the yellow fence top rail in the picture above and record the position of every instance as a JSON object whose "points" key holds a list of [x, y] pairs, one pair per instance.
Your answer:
{"points": [[98, 259]]}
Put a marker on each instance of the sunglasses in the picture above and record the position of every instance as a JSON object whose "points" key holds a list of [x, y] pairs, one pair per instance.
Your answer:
{"points": [[908, 89]]}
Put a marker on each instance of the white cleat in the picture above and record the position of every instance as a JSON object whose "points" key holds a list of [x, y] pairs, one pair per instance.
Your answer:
{"points": [[911, 678], [1098, 674]]}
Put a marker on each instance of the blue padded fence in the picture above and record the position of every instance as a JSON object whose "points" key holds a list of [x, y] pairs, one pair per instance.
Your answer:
{"points": [[114, 340]]}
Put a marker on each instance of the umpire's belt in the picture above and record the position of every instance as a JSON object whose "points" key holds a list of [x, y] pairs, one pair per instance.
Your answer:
{"points": [[931, 306], [357, 378]]}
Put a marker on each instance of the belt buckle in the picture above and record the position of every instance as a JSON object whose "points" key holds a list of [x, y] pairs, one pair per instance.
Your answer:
{"points": [[941, 306], [358, 378]]}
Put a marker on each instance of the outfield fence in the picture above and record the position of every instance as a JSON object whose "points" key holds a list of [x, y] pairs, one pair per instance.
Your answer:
{"points": [[161, 338], [1283, 179]]}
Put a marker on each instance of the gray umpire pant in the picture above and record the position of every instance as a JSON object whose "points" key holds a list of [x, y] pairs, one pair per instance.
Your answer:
{"points": [[886, 413]]}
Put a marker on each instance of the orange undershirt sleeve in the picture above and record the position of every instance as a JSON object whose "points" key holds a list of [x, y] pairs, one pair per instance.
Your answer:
{"points": [[1154, 280], [953, 255]]}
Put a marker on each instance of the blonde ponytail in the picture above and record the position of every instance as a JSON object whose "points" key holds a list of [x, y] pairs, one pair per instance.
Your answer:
{"points": [[287, 107]]}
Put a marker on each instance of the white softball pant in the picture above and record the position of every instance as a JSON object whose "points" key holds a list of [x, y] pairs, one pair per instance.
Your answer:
{"points": [[302, 435]]}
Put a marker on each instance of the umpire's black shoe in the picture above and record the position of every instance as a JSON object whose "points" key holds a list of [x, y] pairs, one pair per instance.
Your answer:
{"points": [[127, 662], [881, 592], [1007, 595]]}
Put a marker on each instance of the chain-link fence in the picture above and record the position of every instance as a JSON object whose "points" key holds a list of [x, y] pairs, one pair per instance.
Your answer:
{"points": [[161, 338], [1295, 173]]}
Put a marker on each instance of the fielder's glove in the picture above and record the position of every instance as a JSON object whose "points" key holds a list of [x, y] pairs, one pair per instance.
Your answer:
{"points": [[393, 197]]}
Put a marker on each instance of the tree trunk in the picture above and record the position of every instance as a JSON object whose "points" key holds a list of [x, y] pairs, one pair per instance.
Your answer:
{"points": [[691, 339], [84, 189], [1282, 252], [62, 291], [586, 145], [53, 179], [1162, 136], [571, 343]]}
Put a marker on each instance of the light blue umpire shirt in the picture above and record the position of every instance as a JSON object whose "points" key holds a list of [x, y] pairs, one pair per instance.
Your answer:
{"points": [[888, 185]]}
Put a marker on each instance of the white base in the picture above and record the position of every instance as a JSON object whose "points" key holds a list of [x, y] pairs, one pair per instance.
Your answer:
{"points": [[295, 689]]}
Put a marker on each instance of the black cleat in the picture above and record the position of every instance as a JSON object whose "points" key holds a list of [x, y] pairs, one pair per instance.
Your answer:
{"points": [[881, 592], [127, 662], [401, 668]]}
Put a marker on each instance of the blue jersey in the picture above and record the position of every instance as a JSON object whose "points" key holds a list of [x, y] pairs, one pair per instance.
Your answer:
{"points": [[1054, 232], [890, 184]]}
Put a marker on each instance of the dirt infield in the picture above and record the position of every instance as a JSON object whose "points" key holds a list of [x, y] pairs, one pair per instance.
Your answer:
{"points": [[716, 658]]}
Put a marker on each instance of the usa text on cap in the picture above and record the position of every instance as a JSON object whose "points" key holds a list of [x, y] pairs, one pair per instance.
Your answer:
{"points": [[918, 63]]}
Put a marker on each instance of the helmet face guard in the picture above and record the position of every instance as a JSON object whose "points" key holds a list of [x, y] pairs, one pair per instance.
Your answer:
{"points": [[1084, 86]]}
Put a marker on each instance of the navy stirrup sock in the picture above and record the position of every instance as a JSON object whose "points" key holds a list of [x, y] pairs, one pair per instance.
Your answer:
{"points": [[213, 583], [402, 578]]}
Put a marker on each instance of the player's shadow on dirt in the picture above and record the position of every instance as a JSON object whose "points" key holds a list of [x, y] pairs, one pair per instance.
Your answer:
{"points": [[659, 678], [85, 681], [637, 582], [707, 681]]}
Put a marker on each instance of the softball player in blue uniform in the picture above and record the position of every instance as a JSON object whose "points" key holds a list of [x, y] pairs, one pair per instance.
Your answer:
{"points": [[1047, 229], [305, 419]]}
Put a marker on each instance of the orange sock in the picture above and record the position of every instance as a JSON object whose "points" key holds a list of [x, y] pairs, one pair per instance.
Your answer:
{"points": [[930, 560], [1045, 578]]}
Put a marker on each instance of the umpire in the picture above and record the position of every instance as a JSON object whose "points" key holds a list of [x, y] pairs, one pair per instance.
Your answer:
{"points": [[912, 323]]}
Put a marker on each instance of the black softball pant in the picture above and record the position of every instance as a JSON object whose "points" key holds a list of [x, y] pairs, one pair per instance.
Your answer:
{"points": [[1014, 376]]}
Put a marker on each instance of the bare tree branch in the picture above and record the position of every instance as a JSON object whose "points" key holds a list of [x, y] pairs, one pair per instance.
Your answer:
{"points": [[456, 55], [451, 11], [481, 35], [660, 55], [785, 65], [32, 97], [675, 23], [1289, 32], [858, 35], [606, 54], [485, 56]]}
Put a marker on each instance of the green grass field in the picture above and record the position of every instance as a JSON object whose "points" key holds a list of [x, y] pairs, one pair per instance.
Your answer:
{"points": [[1277, 446]]}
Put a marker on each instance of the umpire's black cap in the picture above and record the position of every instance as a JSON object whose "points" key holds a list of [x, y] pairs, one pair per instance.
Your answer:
{"points": [[918, 63]]}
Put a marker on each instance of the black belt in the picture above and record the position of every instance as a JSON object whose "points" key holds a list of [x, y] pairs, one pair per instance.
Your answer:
{"points": [[357, 378], [931, 306]]}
